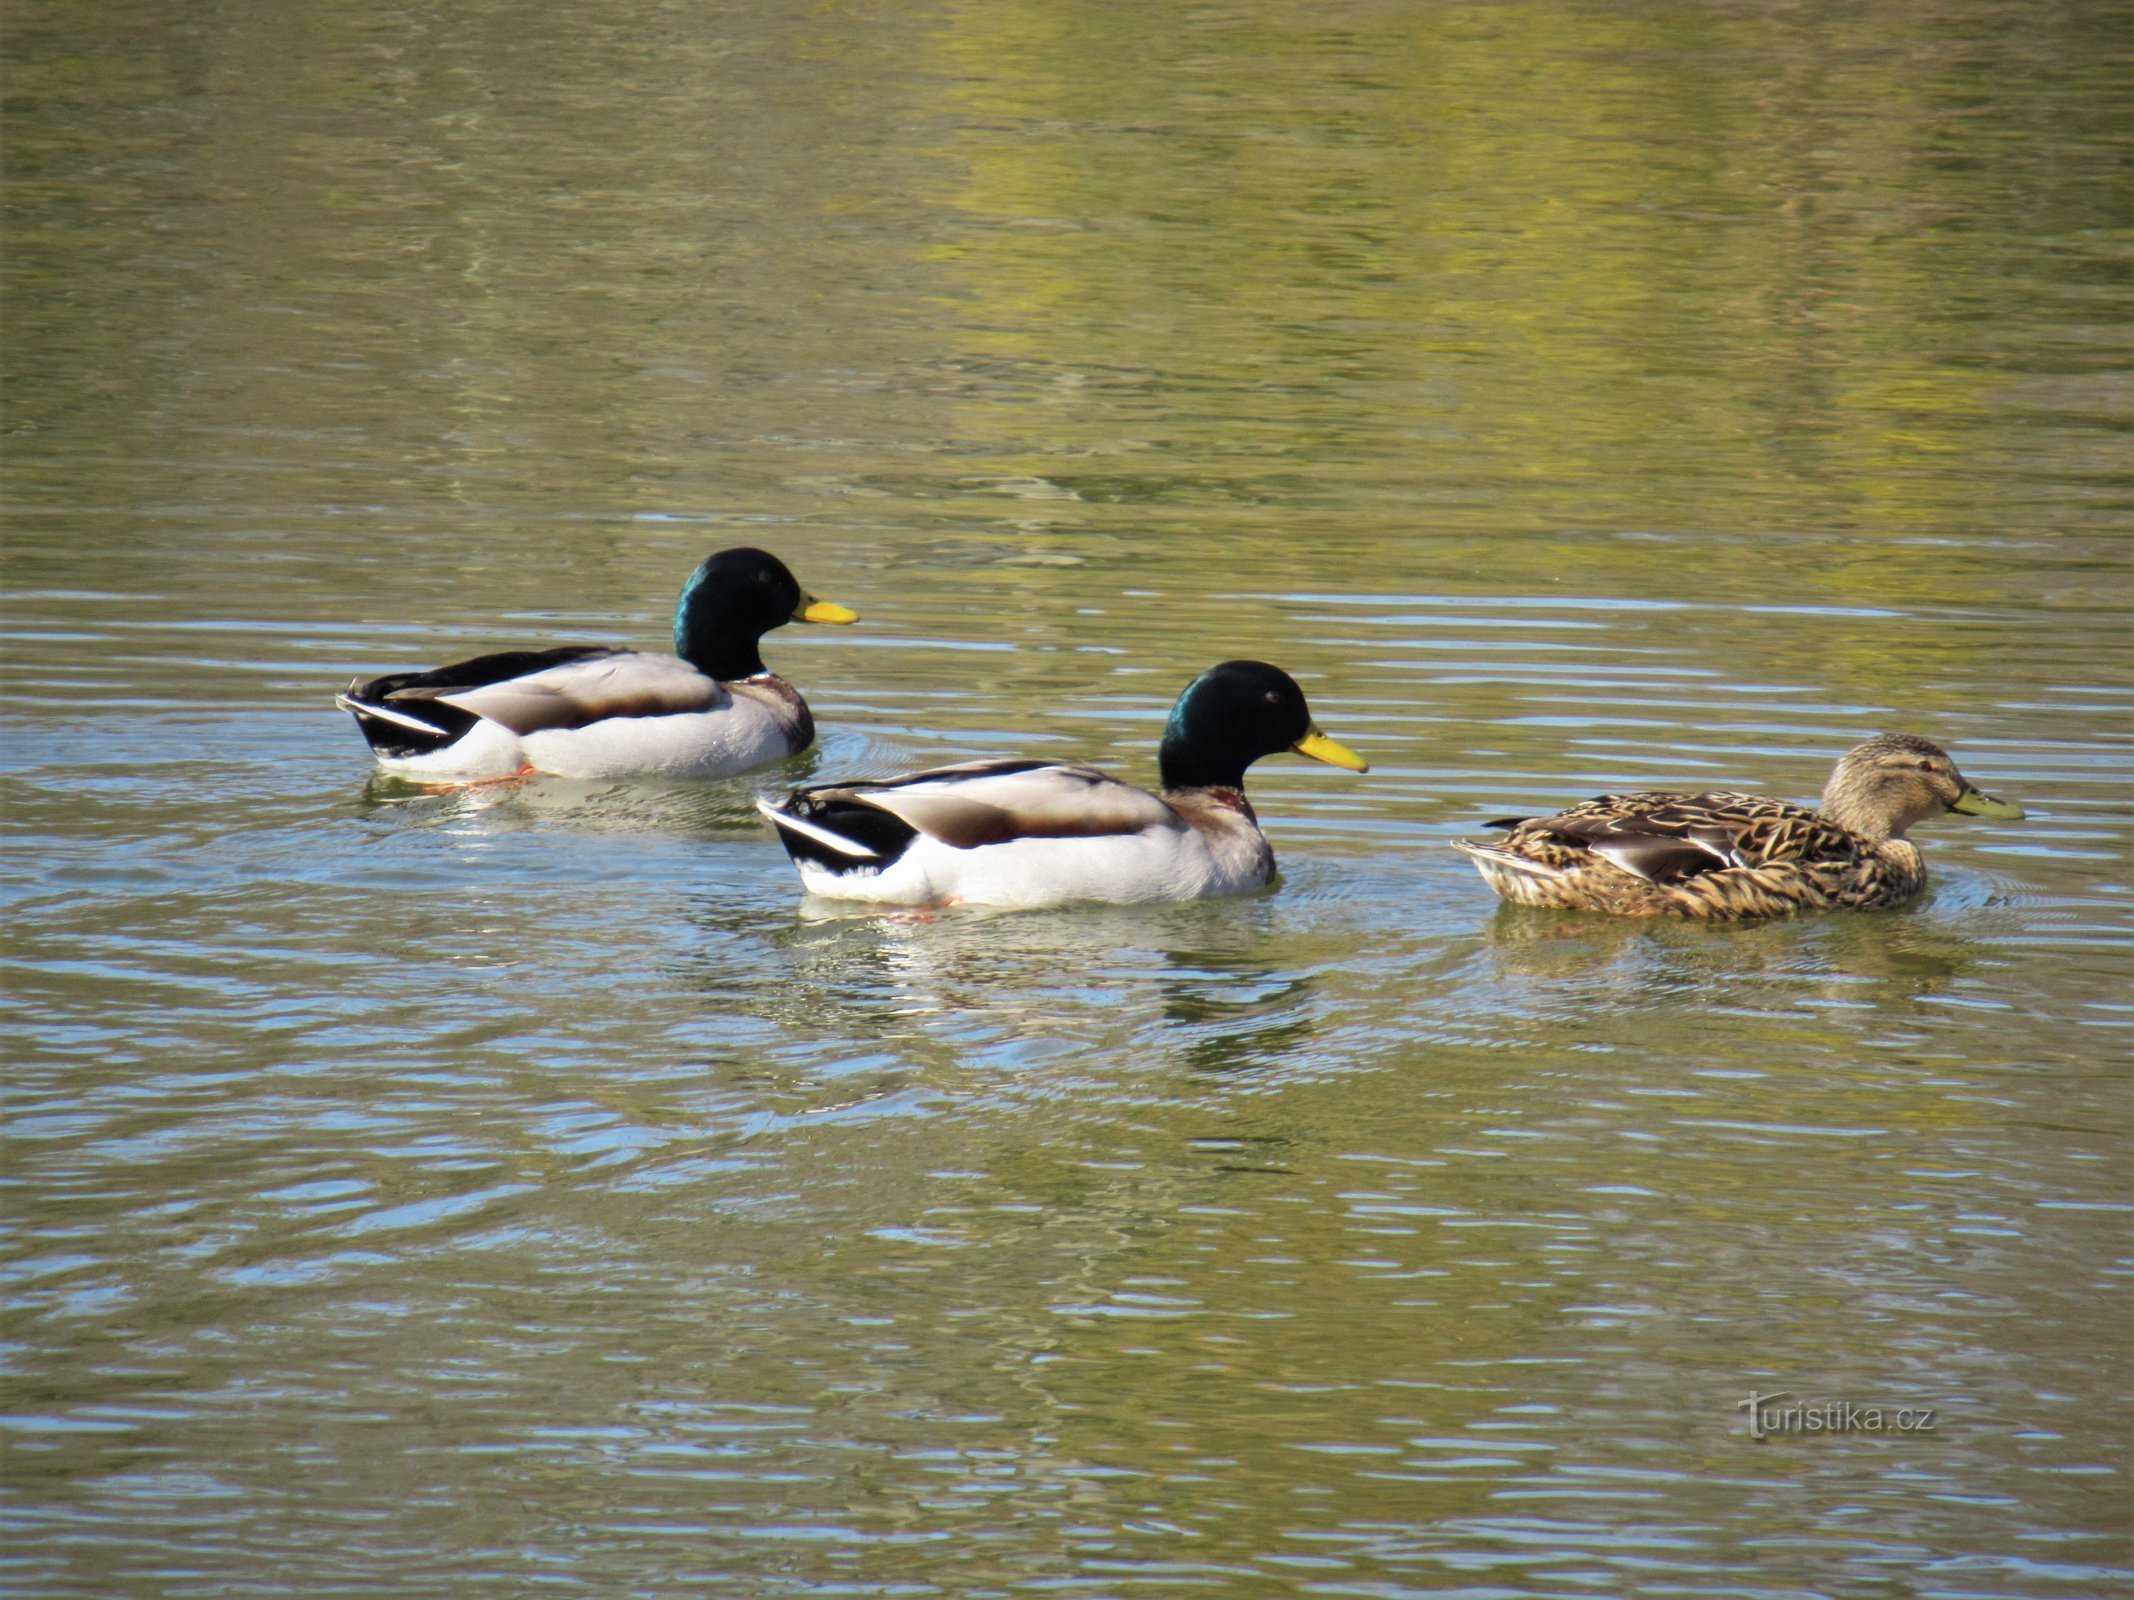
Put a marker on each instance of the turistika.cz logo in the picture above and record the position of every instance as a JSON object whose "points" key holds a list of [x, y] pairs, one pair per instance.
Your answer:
{"points": [[1770, 1414]]}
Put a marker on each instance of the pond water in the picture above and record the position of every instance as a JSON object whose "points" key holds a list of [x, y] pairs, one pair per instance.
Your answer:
{"points": [[458, 1193]]}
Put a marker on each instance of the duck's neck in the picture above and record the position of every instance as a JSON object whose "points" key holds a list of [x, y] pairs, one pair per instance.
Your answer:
{"points": [[1200, 804], [706, 638], [1856, 811], [1184, 767]]}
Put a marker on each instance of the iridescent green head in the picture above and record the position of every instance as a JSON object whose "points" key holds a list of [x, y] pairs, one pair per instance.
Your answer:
{"points": [[731, 601], [1232, 715]]}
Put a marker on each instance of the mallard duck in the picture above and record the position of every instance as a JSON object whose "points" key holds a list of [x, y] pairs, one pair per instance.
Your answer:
{"points": [[1735, 856], [1031, 833], [592, 711]]}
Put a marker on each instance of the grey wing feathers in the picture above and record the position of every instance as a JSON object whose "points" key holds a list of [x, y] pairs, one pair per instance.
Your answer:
{"points": [[625, 684], [992, 802]]}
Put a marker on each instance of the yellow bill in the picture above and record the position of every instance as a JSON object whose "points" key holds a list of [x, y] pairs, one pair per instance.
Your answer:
{"points": [[1977, 803], [814, 610], [1320, 748]]}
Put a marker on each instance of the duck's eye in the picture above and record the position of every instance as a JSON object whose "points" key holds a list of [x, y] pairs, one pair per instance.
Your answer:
{"points": [[1274, 697]]}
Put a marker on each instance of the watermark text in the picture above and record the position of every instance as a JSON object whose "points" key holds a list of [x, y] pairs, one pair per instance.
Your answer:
{"points": [[1783, 1412]]}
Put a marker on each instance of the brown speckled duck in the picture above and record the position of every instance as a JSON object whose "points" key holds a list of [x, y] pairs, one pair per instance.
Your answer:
{"points": [[1731, 857]]}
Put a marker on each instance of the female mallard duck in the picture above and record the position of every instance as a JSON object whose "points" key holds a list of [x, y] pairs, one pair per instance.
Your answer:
{"points": [[592, 711], [1735, 856], [1031, 833]]}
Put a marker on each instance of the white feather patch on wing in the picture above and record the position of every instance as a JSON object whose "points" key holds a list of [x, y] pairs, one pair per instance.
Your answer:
{"points": [[637, 684], [1506, 859], [363, 708], [821, 835]]}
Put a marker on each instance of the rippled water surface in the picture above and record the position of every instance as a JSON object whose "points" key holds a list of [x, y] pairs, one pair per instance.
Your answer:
{"points": [[522, 1188]]}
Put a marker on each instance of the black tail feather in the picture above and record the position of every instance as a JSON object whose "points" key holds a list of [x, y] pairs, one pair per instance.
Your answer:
{"points": [[885, 837], [392, 737], [414, 695]]}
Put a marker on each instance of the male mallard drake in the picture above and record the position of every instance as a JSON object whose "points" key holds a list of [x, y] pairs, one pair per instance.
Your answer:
{"points": [[1032, 833], [1735, 856], [592, 711]]}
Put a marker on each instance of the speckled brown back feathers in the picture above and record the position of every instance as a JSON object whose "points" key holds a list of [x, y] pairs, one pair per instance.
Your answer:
{"points": [[1733, 856]]}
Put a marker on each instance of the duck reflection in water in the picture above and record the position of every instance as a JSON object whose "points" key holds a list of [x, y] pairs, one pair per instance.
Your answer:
{"points": [[1238, 1013], [1162, 985], [682, 807], [1902, 960]]}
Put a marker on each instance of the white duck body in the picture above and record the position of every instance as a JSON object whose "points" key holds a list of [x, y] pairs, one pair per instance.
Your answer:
{"points": [[605, 714], [1020, 833], [751, 724]]}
